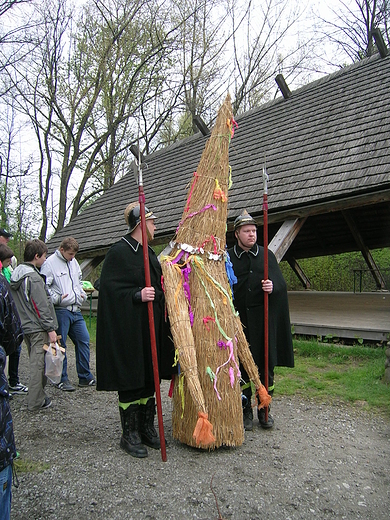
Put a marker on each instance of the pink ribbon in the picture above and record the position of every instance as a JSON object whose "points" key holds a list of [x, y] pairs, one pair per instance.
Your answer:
{"points": [[196, 213], [190, 194], [206, 320], [223, 345]]}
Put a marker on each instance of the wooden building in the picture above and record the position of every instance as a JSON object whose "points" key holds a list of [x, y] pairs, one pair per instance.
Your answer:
{"points": [[327, 153]]}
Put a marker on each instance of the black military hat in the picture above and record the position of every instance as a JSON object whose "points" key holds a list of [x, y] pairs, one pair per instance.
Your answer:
{"points": [[133, 215], [243, 220]]}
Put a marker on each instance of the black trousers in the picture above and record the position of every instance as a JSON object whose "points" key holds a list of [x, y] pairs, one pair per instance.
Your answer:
{"points": [[128, 396], [13, 367]]}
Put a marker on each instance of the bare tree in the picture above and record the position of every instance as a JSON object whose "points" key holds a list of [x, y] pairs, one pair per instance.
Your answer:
{"points": [[14, 29], [12, 170], [351, 27], [266, 45], [116, 72], [6, 5], [385, 9], [237, 46], [11, 35], [81, 90], [202, 46]]}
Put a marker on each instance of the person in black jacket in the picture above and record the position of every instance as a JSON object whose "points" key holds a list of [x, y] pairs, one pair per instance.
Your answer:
{"points": [[247, 258], [9, 262], [123, 352], [11, 336]]}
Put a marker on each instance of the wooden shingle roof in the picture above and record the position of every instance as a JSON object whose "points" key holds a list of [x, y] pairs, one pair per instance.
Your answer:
{"points": [[326, 149]]}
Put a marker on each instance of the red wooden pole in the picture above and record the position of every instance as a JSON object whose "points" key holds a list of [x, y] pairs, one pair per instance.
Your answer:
{"points": [[151, 320], [265, 243]]}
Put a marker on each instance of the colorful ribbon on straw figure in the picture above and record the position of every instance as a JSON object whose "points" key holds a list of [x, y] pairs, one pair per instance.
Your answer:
{"points": [[196, 177], [186, 287], [218, 192], [206, 319], [203, 433], [263, 397], [205, 208], [223, 345], [230, 181], [232, 124], [230, 273]]}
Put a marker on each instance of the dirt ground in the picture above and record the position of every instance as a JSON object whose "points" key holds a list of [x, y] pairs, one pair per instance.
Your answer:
{"points": [[322, 461]]}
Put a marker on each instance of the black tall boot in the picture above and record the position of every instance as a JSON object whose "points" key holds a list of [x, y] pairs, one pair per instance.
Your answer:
{"points": [[147, 430], [131, 441], [261, 416], [247, 409]]}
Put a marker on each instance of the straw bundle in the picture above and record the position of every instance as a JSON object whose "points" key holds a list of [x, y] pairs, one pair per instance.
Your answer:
{"points": [[206, 329]]}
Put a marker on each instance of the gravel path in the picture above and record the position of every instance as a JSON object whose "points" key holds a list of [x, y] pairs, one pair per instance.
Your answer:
{"points": [[319, 461]]}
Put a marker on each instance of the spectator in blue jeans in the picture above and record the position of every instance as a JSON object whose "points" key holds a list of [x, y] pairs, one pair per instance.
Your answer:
{"points": [[63, 279]]}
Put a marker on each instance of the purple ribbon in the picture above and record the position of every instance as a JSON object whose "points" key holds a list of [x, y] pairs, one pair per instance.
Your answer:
{"points": [[186, 287]]}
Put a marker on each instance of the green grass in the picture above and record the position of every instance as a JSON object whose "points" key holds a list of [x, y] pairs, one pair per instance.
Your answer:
{"points": [[91, 328], [28, 466], [329, 372], [336, 372]]}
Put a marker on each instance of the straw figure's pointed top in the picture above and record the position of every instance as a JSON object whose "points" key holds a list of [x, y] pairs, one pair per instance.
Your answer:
{"points": [[203, 223]]}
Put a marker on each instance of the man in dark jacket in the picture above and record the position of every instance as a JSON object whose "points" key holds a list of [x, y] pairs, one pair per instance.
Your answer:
{"points": [[247, 258], [123, 352], [11, 336], [9, 262]]}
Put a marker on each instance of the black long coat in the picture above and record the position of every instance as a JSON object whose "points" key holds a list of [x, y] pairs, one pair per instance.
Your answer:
{"points": [[249, 301], [123, 352]]}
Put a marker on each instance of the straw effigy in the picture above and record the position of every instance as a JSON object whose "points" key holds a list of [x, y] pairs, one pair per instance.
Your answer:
{"points": [[206, 329]]}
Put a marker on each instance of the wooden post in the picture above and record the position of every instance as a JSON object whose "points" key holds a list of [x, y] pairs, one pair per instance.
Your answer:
{"points": [[265, 244], [151, 313]]}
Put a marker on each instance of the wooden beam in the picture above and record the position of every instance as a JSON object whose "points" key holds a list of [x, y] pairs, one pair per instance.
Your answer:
{"points": [[285, 237], [330, 206], [299, 272], [89, 264], [86, 255], [379, 280]]}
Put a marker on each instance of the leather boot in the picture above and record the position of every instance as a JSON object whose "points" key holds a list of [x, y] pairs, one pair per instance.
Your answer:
{"points": [[261, 416], [149, 435], [131, 441], [247, 409]]}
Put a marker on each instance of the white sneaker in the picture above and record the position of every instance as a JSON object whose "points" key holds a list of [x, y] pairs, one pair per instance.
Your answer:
{"points": [[18, 389]]}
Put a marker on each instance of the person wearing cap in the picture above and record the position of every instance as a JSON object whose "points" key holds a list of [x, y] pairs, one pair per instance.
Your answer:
{"points": [[123, 350], [63, 279], [247, 258], [4, 236]]}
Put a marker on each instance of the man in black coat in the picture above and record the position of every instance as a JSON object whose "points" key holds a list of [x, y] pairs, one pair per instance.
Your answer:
{"points": [[247, 258], [123, 351]]}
